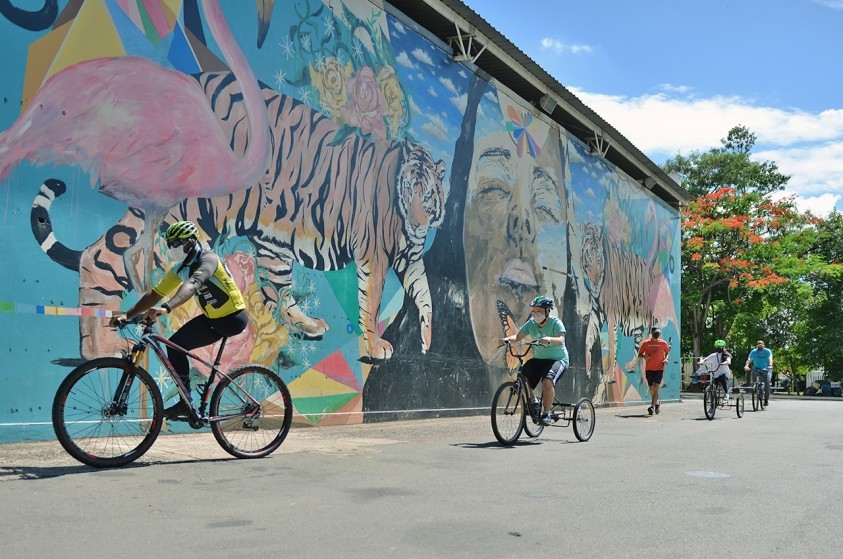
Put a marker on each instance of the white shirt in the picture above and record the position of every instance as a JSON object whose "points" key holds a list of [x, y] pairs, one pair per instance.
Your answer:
{"points": [[717, 365]]}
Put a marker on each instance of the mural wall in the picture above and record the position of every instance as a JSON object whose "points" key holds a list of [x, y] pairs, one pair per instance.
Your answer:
{"points": [[387, 212]]}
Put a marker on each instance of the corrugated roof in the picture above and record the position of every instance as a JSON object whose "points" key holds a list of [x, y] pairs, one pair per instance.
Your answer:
{"points": [[507, 64]]}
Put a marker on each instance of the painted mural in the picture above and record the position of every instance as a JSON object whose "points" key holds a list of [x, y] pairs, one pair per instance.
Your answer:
{"points": [[388, 213]]}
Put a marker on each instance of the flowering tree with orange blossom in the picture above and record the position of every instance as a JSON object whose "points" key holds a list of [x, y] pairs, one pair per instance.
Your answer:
{"points": [[735, 247]]}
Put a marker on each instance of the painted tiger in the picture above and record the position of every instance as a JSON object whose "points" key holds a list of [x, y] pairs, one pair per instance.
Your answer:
{"points": [[622, 287], [326, 201]]}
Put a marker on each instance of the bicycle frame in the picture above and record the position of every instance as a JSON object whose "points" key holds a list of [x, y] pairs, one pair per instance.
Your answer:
{"points": [[525, 391], [157, 343]]}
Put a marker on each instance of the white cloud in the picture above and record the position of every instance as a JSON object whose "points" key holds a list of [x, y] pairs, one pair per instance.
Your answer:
{"points": [[558, 47], [833, 4], [422, 57], [449, 85], [414, 108], [818, 205], [436, 128], [807, 146], [432, 91], [404, 60], [460, 102]]}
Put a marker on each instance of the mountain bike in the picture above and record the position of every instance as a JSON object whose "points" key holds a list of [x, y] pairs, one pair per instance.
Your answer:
{"points": [[759, 394], [512, 411], [107, 412]]}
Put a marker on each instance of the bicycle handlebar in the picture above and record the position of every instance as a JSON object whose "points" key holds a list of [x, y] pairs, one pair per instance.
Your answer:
{"points": [[510, 347]]}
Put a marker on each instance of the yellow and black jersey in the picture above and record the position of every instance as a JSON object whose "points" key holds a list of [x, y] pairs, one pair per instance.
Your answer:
{"points": [[218, 295]]}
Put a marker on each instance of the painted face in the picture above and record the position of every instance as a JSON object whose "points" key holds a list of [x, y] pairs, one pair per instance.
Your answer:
{"points": [[515, 231]]}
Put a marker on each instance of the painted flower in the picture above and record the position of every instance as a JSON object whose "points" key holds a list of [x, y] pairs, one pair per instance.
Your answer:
{"points": [[330, 80], [366, 107], [394, 98]]}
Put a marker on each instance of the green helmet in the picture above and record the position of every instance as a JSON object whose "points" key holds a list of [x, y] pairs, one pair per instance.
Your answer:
{"points": [[181, 230], [720, 343], [543, 302]]}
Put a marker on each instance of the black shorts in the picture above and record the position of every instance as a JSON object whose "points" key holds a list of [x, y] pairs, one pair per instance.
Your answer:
{"points": [[536, 369], [654, 377]]}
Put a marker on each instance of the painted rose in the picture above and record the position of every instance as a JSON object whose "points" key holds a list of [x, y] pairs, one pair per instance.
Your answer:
{"points": [[330, 79], [241, 266], [394, 98], [366, 107]]}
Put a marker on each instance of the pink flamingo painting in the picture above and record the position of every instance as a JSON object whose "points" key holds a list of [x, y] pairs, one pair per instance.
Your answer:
{"points": [[145, 133]]}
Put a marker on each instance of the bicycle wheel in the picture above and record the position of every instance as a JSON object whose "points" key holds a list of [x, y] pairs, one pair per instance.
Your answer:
{"points": [[251, 412], [93, 426], [530, 427], [756, 397], [739, 405], [507, 413], [710, 401], [584, 419]]}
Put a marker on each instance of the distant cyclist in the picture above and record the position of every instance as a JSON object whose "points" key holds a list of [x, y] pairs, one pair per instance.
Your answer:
{"points": [[550, 360], [761, 359], [197, 271], [718, 366]]}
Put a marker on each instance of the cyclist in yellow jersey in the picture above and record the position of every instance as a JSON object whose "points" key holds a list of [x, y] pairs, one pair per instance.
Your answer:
{"points": [[197, 272]]}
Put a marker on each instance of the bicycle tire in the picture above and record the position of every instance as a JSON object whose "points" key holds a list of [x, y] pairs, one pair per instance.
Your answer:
{"points": [[239, 429], [739, 405], [508, 413], [93, 433], [756, 397], [709, 402], [584, 419], [532, 429]]}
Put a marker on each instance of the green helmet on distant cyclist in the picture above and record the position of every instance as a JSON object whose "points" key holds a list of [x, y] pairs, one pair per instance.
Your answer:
{"points": [[720, 343], [543, 302]]}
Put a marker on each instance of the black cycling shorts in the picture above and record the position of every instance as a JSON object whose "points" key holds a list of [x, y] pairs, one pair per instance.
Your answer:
{"points": [[536, 369]]}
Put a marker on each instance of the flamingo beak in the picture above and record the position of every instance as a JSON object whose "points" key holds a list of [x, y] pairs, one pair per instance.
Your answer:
{"points": [[265, 8]]}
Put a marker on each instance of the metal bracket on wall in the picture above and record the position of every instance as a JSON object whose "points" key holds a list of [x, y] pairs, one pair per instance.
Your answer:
{"points": [[463, 43], [598, 144]]}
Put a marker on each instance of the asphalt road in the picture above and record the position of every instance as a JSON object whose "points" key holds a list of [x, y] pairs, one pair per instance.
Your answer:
{"points": [[672, 485]]}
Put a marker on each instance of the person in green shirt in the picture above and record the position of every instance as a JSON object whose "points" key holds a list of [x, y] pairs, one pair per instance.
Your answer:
{"points": [[549, 360]]}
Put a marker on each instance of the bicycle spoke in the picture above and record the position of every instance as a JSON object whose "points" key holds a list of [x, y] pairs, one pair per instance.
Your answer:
{"points": [[251, 412], [93, 427]]}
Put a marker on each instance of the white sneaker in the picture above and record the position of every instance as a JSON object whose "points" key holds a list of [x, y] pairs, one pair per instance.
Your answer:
{"points": [[726, 398]]}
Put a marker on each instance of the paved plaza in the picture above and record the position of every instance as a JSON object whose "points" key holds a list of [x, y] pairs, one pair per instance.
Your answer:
{"points": [[672, 485]]}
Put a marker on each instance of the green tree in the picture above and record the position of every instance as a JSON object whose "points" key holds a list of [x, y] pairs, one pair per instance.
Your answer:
{"points": [[729, 165], [819, 333], [735, 248]]}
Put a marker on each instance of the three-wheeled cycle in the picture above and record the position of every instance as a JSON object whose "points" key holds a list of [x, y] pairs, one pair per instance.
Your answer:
{"points": [[714, 397], [513, 413]]}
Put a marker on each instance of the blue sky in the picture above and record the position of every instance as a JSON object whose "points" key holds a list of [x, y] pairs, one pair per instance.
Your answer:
{"points": [[674, 76]]}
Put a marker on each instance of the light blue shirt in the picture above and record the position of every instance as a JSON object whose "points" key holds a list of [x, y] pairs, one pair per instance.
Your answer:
{"points": [[761, 359]]}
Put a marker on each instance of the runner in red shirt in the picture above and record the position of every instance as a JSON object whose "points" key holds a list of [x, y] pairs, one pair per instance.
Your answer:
{"points": [[655, 350]]}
